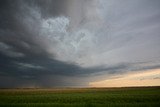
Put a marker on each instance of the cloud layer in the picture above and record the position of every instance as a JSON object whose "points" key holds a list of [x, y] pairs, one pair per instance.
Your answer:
{"points": [[47, 43]]}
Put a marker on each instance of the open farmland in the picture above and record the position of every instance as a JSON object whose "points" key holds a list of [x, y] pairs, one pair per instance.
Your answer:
{"points": [[81, 97]]}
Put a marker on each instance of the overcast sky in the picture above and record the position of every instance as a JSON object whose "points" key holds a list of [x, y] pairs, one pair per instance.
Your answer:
{"points": [[54, 43]]}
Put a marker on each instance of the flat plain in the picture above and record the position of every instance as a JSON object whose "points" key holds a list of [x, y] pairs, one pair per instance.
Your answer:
{"points": [[81, 97]]}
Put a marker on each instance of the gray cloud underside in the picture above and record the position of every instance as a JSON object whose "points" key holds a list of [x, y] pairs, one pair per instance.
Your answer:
{"points": [[111, 39]]}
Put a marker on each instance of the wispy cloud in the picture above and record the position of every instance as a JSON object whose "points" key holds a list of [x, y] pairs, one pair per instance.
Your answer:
{"points": [[141, 78]]}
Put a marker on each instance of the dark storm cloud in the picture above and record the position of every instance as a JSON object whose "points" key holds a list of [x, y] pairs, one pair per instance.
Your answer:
{"points": [[21, 54], [27, 51]]}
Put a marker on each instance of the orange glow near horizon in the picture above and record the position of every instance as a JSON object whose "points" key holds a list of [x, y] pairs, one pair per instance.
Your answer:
{"points": [[141, 78]]}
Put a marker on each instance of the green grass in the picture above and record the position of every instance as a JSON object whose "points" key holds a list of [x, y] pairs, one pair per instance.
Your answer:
{"points": [[82, 97]]}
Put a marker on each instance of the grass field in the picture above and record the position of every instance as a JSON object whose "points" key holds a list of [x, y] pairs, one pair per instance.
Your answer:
{"points": [[81, 97]]}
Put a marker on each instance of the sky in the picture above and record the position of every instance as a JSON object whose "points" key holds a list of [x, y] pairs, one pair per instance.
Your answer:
{"points": [[79, 43]]}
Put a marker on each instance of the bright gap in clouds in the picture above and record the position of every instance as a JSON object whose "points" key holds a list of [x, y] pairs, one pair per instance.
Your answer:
{"points": [[141, 78]]}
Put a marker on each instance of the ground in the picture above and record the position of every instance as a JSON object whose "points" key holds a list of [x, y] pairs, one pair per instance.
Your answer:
{"points": [[81, 97]]}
